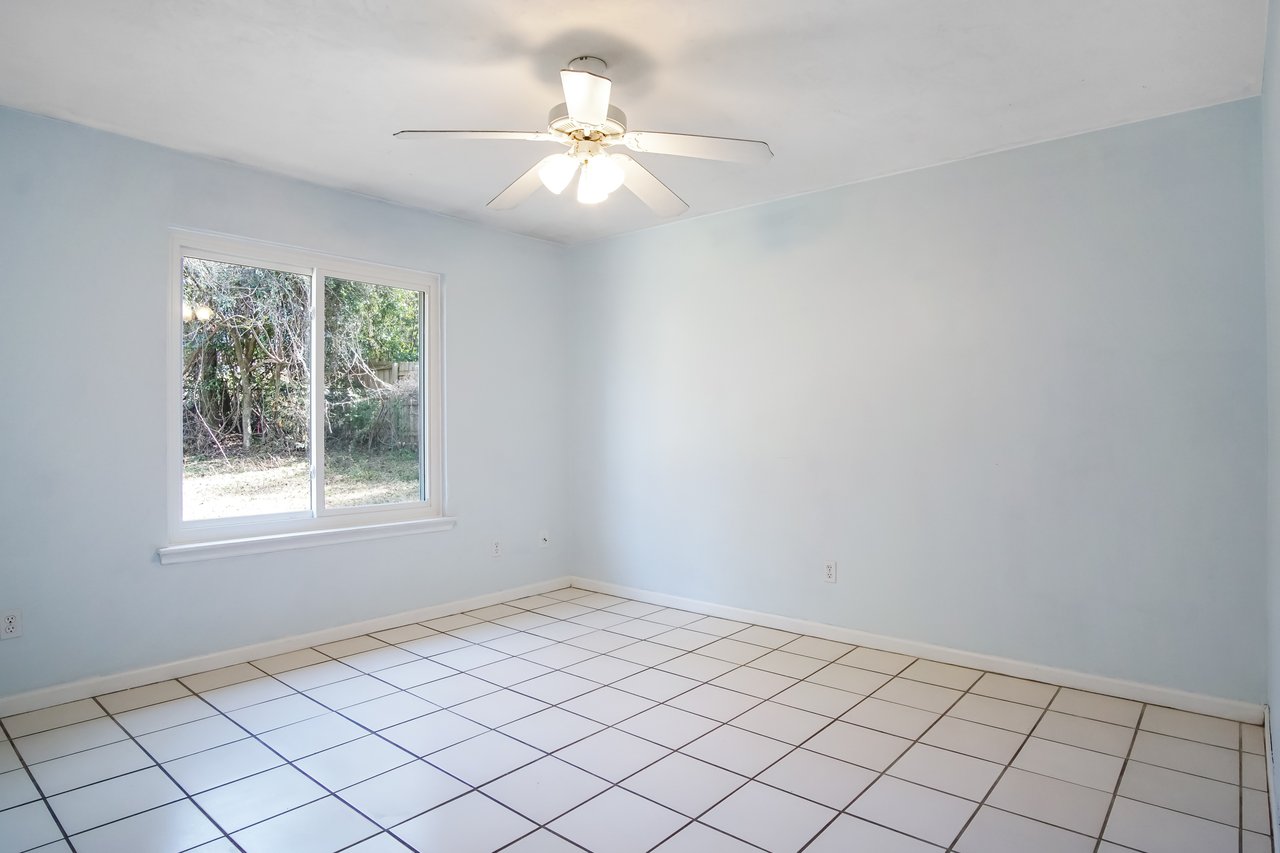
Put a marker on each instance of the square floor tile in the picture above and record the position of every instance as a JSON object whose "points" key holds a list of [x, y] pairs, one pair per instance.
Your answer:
{"points": [[612, 754], [1070, 764], [942, 674], [1063, 804], [16, 788], [818, 698], [1010, 689], [259, 797], [848, 833], [483, 632], [918, 694], [518, 643], [696, 666], [103, 802], [769, 818], [551, 729], [568, 593], [498, 709], [761, 636], [1188, 756], [738, 750], [175, 712], [1255, 811], [270, 715], [1108, 709], [994, 831], [311, 736], [414, 673], [389, 710], [484, 758], [317, 675], [598, 619], [222, 764], [816, 647], [1013, 716], [1211, 730], [604, 669], [545, 789], [558, 655], [215, 678], [718, 703], [888, 663], [510, 671], [685, 784], [890, 717], [50, 718], [786, 663], [673, 617], [608, 705], [177, 826], [77, 737], [27, 827], [189, 738], [454, 690], [857, 745], [1181, 792], [290, 660], [656, 685], [404, 792], [566, 610], [495, 611], [922, 812], [92, 765], [319, 827], [601, 641], [849, 678], [1252, 739], [683, 638], [646, 653], [404, 633], [733, 651], [1146, 827], [781, 722], [433, 732], [947, 771], [668, 726], [340, 766], [470, 657], [819, 777], [448, 623], [1086, 733], [555, 687], [245, 693], [618, 821], [754, 682], [434, 645], [988, 742], [351, 691], [560, 631], [717, 626], [138, 697]]}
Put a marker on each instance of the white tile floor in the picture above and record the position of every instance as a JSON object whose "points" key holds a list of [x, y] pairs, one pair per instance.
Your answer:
{"points": [[577, 720]]}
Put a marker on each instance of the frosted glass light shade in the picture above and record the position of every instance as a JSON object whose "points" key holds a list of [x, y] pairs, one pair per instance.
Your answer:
{"points": [[557, 170], [601, 175]]}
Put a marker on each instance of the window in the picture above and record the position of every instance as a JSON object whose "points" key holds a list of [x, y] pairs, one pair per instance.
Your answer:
{"points": [[306, 396]]}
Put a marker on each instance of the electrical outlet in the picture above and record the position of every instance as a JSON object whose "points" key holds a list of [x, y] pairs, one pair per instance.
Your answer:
{"points": [[829, 571], [10, 624], [495, 549], [544, 539]]}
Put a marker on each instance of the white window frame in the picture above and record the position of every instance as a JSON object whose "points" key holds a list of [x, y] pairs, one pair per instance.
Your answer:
{"points": [[208, 538]]}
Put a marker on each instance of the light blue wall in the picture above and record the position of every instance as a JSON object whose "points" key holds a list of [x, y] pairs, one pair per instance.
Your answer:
{"points": [[84, 253], [1021, 399]]}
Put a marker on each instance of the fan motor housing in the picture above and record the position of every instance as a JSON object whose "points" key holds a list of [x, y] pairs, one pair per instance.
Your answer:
{"points": [[614, 125]]}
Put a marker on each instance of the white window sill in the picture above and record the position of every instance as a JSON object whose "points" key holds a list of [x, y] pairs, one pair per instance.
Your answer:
{"points": [[219, 549]]}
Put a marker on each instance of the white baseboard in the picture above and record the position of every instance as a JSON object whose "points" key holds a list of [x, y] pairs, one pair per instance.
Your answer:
{"points": [[1231, 709], [85, 688], [1271, 782]]}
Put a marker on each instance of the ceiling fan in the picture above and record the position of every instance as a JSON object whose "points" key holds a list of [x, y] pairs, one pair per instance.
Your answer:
{"points": [[588, 125]]}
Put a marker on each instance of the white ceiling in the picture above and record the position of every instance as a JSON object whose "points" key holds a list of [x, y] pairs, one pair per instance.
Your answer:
{"points": [[843, 90]]}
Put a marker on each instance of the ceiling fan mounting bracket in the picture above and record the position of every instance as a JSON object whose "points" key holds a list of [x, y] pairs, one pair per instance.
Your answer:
{"points": [[591, 64]]}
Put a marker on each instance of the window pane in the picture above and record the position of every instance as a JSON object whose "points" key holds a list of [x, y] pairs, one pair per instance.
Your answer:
{"points": [[372, 364], [245, 389]]}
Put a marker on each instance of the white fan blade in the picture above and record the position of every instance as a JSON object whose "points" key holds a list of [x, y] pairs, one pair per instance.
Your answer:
{"points": [[587, 96], [531, 136], [653, 192], [519, 189], [705, 147]]}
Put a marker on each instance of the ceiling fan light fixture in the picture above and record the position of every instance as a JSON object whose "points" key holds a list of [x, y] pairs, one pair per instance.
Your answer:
{"points": [[557, 170], [601, 175]]}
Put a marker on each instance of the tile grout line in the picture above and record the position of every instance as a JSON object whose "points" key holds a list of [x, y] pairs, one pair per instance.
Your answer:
{"points": [[44, 800], [1005, 769], [1115, 793]]}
